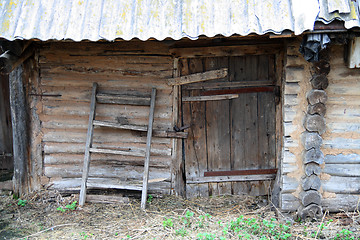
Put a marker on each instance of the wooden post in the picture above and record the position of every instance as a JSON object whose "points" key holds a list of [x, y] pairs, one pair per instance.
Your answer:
{"points": [[148, 148], [89, 137], [19, 120]]}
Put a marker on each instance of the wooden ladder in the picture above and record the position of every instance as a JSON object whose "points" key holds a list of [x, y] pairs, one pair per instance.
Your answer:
{"points": [[117, 99]]}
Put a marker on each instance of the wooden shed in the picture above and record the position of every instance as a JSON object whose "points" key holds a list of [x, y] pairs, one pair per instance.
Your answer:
{"points": [[236, 111]]}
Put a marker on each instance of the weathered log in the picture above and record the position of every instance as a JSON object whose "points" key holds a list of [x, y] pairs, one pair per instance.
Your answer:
{"points": [[319, 82], [318, 108], [312, 211], [311, 183], [123, 99], [322, 67], [316, 96], [19, 120], [315, 123], [313, 155], [312, 168], [311, 140], [310, 197]]}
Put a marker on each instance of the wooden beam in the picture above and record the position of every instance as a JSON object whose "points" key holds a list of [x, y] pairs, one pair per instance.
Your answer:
{"points": [[89, 138], [209, 98], [243, 178], [239, 90], [198, 77], [148, 149], [19, 121], [240, 172], [217, 51]]}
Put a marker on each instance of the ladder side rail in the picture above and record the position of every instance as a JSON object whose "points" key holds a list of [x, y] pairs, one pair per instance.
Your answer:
{"points": [[89, 139], [148, 148]]}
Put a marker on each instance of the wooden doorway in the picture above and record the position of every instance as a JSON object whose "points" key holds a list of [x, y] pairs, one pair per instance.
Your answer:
{"points": [[233, 139]]}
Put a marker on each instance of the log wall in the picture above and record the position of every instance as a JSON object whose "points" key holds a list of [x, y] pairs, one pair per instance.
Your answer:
{"points": [[67, 73], [295, 86], [341, 145], [340, 179]]}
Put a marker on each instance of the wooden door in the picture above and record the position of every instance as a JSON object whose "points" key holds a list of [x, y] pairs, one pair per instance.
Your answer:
{"points": [[229, 135]]}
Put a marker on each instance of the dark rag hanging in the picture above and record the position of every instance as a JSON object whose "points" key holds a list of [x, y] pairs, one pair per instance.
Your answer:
{"points": [[312, 44]]}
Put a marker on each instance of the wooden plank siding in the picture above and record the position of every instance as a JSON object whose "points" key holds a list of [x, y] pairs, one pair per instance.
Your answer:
{"points": [[67, 73], [341, 141]]}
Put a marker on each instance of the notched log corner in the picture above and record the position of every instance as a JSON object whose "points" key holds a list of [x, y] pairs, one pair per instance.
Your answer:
{"points": [[316, 96], [312, 168], [315, 123], [313, 155], [311, 182], [311, 140], [310, 197], [319, 82], [312, 211], [318, 108]]}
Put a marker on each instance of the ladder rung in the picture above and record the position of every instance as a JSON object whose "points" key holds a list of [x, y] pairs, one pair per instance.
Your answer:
{"points": [[119, 125], [117, 152], [123, 99]]}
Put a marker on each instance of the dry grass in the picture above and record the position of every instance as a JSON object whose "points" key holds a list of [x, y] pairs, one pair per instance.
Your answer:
{"points": [[199, 218]]}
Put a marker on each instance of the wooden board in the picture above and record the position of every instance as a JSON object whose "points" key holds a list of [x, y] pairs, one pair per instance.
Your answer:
{"points": [[198, 77]]}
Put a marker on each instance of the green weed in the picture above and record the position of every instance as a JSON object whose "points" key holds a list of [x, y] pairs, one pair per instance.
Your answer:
{"points": [[150, 198], [21, 202], [181, 232], [70, 207], [168, 223], [206, 236]]}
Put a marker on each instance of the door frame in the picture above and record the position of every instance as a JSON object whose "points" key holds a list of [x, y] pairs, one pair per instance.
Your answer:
{"points": [[277, 49]]}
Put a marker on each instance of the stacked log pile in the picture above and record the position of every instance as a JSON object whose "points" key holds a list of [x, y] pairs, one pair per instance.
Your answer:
{"points": [[315, 126]]}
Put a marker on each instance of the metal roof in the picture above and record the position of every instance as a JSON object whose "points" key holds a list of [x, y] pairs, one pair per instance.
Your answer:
{"points": [[127, 19]]}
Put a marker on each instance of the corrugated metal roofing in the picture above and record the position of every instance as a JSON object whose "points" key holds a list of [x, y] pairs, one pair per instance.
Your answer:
{"points": [[127, 19]]}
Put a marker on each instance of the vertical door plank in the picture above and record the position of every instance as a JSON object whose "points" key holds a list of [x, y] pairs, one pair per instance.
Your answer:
{"points": [[237, 124], [263, 105], [198, 112], [251, 128], [191, 189], [195, 144], [218, 130]]}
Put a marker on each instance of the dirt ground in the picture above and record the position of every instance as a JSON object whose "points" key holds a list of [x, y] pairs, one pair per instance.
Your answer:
{"points": [[166, 217]]}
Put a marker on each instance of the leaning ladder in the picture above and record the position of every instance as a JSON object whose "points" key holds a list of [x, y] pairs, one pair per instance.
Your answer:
{"points": [[110, 98]]}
